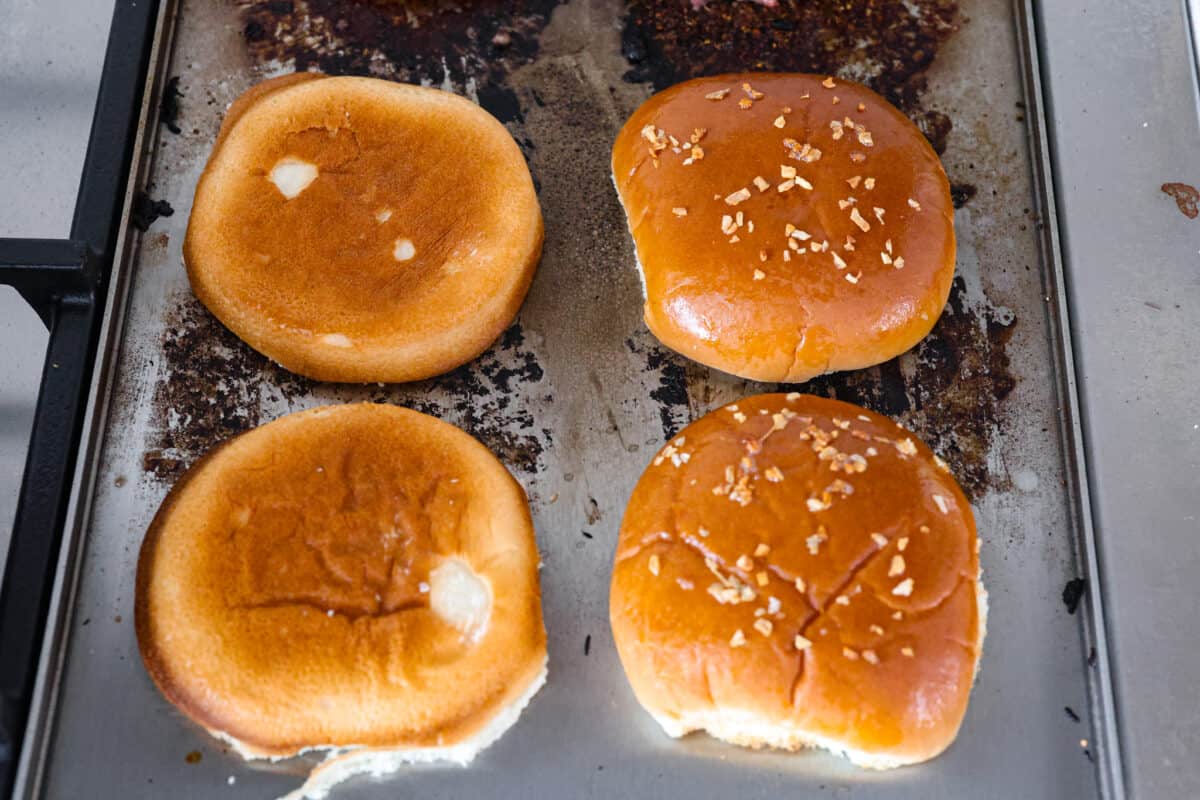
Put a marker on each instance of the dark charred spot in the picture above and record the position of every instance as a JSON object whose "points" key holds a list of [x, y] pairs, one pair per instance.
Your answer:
{"points": [[168, 112], [1072, 593], [961, 193], [432, 40], [145, 210], [671, 394], [886, 44]]}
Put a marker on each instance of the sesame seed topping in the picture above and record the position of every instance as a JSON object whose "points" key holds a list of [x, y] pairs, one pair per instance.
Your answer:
{"points": [[941, 503], [780, 121], [764, 626], [800, 585], [870, 657], [914, 204], [904, 588], [679, 211], [907, 652], [850, 653], [654, 565], [737, 197], [858, 220], [879, 539], [738, 639], [800, 643], [897, 566], [745, 563], [902, 543], [720, 94]]}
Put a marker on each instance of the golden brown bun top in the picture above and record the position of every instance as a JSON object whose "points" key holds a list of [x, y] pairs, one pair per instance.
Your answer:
{"points": [[405, 256], [829, 522], [740, 306], [283, 593]]}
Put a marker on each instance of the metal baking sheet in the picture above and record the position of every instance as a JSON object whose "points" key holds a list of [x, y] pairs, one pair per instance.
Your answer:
{"points": [[577, 395]]}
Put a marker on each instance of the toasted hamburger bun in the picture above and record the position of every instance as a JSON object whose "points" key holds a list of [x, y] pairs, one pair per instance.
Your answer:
{"points": [[359, 230], [357, 578], [785, 225], [798, 572]]}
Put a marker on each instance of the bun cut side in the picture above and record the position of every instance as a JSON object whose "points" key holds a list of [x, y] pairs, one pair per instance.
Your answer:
{"points": [[360, 579], [786, 225], [795, 572], [359, 230]]}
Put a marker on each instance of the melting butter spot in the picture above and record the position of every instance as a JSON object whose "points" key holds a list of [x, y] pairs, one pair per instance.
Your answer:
{"points": [[460, 597], [404, 250], [383, 215], [337, 340], [292, 176]]}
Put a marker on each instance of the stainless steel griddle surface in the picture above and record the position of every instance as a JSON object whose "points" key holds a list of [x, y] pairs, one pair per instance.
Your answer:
{"points": [[577, 396]]}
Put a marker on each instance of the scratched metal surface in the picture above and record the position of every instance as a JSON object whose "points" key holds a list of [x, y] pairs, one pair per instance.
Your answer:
{"points": [[577, 395]]}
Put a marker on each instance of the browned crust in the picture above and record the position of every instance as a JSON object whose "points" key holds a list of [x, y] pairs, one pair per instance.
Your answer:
{"points": [[890, 689], [521, 659], [725, 295]]}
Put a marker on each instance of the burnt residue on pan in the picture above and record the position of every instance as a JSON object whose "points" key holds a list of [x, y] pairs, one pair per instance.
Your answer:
{"points": [[212, 386], [949, 388], [490, 399], [474, 43], [208, 389], [885, 44]]}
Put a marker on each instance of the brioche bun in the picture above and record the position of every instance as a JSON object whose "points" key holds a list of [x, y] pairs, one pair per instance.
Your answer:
{"points": [[357, 578], [360, 230], [785, 225], [798, 572]]}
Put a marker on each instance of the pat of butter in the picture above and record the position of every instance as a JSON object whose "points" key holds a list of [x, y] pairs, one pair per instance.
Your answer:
{"points": [[292, 176], [404, 250], [460, 596]]}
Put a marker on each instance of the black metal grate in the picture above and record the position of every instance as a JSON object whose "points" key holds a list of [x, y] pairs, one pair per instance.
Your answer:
{"points": [[64, 281]]}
